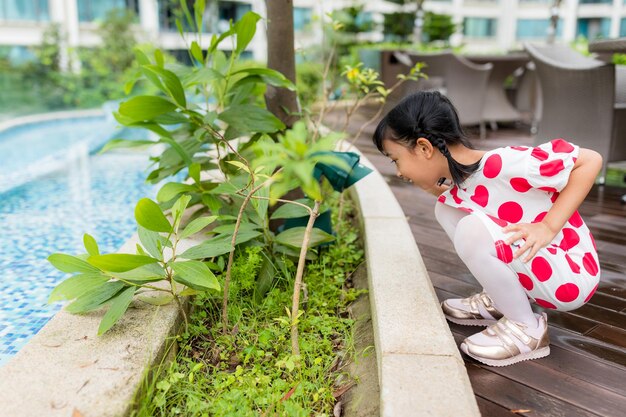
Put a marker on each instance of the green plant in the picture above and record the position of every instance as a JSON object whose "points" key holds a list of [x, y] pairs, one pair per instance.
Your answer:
{"points": [[398, 26], [250, 371], [111, 280], [437, 27]]}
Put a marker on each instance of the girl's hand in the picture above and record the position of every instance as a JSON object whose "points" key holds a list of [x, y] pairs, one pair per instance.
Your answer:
{"points": [[536, 236]]}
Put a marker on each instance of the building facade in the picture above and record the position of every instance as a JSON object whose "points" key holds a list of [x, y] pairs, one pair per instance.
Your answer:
{"points": [[482, 24]]}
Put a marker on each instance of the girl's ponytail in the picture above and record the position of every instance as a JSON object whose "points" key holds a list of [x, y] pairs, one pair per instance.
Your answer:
{"points": [[458, 170]]}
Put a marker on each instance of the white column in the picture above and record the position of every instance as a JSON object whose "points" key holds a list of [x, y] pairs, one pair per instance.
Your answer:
{"points": [[457, 19], [507, 24], [569, 14], [149, 18], [615, 18], [65, 13]]}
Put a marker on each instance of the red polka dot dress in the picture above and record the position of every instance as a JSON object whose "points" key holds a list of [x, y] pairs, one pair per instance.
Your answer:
{"points": [[519, 184]]}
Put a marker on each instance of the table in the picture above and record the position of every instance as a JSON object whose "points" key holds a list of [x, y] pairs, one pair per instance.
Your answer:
{"points": [[497, 107]]}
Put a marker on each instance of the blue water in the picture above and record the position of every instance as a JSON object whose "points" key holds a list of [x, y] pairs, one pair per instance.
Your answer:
{"points": [[68, 191]]}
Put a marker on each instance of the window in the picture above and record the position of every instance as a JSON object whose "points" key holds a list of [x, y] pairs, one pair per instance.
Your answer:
{"points": [[479, 27], [622, 28], [593, 28], [596, 1], [91, 10], [31, 10], [536, 28], [231, 10], [302, 17]]}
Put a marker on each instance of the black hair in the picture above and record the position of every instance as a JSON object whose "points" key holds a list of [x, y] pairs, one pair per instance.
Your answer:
{"points": [[430, 115]]}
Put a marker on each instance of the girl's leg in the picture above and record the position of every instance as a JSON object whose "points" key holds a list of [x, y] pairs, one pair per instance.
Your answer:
{"points": [[475, 247]]}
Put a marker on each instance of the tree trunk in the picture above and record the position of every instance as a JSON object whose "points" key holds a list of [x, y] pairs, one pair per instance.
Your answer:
{"points": [[281, 57]]}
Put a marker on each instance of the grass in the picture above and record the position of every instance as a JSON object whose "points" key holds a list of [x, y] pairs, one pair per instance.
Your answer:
{"points": [[250, 371]]}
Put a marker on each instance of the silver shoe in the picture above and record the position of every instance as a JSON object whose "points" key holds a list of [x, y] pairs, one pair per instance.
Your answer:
{"points": [[472, 316], [504, 351]]}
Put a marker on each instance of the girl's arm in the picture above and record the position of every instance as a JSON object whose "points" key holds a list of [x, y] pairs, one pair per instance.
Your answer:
{"points": [[581, 179], [539, 235]]}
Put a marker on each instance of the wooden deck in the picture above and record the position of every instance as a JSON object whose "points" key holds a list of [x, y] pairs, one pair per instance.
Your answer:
{"points": [[585, 374]]}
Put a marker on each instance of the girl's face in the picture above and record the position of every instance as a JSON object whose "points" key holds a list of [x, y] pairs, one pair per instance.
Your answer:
{"points": [[422, 165]]}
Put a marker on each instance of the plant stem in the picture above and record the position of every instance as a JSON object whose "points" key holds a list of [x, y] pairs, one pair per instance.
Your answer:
{"points": [[295, 347], [231, 257]]}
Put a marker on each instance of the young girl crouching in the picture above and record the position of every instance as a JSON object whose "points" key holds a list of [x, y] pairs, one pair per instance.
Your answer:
{"points": [[511, 214]]}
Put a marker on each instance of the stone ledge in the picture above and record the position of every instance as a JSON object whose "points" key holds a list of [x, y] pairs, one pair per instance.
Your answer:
{"points": [[420, 370], [44, 117]]}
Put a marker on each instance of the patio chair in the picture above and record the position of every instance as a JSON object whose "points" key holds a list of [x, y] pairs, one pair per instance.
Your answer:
{"points": [[462, 81], [578, 101]]}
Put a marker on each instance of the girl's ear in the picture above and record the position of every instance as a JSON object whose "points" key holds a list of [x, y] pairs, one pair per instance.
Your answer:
{"points": [[424, 147]]}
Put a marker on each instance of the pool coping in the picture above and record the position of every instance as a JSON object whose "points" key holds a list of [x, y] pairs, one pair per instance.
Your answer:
{"points": [[46, 117], [65, 368]]}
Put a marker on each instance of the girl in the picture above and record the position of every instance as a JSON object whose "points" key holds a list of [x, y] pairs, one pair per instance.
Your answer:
{"points": [[511, 214]]}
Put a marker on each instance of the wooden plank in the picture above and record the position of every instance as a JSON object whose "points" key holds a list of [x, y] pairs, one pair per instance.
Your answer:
{"points": [[609, 335], [515, 396], [540, 376], [490, 409]]}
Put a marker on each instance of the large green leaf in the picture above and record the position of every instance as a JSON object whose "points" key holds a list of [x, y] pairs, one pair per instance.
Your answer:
{"points": [[206, 250], [69, 263], [117, 308], [172, 189], [291, 211], [178, 209], [202, 76], [196, 275], [146, 273], [250, 118], [245, 29], [172, 83], [120, 262], [145, 107], [156, 299], [196, 225], [76, 286], [149, 215], [94, 299], [150, 241], [293, 237], [90, 244], [125, 143], [269, 76]]}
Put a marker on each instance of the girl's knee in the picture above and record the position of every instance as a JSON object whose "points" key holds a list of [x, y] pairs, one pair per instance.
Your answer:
{"points": [[472, 239]]}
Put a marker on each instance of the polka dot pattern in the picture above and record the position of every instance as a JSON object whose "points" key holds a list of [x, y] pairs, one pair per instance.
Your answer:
{"points": [[510, 211], [567, 293], [481, 196], [570, 239], [576, 220], [504, 252], [561, 146], [541, 268], [550, 169], [493, 166], [590, 264], [544, 303], [573, 265], [520, 184], [539, 154], [526, 282]]}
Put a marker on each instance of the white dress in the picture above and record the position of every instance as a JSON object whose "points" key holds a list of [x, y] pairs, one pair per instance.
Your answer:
{"points": [[519, 184]]}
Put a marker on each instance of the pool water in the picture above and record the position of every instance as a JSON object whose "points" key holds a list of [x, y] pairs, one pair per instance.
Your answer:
{"points": [[64, 190]]}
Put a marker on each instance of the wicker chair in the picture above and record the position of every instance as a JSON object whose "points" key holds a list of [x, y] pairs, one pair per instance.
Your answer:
{"points": [[578, 101], [464, 82]]}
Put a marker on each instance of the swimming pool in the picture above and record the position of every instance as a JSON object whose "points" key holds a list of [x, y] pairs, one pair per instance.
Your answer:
{"points": [[54, 188]]}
